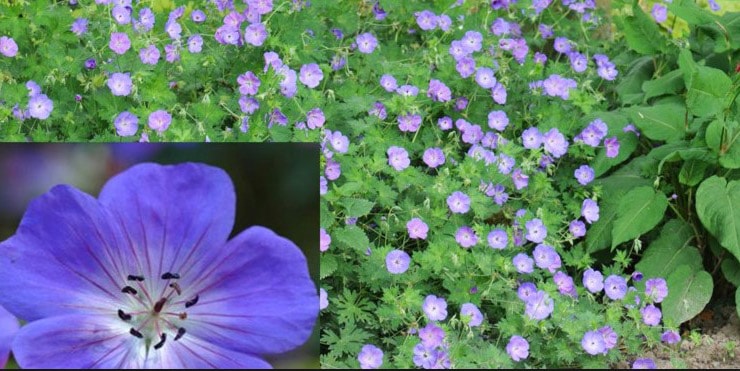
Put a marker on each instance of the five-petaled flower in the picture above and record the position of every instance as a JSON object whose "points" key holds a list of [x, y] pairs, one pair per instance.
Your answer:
{"points": [[144, 276]]}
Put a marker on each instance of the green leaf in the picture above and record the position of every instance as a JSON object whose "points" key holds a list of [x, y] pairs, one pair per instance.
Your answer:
{"points": [[730, 149], [670, 251], [642, 33], [352, 237], [356, 207], [326, 218], [670, 83], [690, 12], [731, 270], [600, 233], [664, 121], [689, 292], [328, 266], [692, 172], [713, 135], [706, 91], [641, 210], [737, 301], [718, 208]]}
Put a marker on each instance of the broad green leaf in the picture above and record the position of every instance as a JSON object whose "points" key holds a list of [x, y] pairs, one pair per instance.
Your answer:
{"points": [[690, 12], [670, 83], [706, 91], [599, 234], [718, 208], [328, 266], [731, 270], [326, 218], [664, 121], [730, 150], [630, 86], [641, 209], [692, 172], [713, 135], [642, 33], [689, 292], [356, 207], [353, 237], [670, 251]]}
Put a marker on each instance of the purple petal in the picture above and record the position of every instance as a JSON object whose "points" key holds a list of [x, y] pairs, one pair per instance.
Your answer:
{"points": [[175, 217], [191, 352], [62, 256], [258, 298], [8, 327]]}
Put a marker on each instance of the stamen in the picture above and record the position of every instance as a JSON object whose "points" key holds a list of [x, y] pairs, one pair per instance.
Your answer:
{"points": [[176, 287], [122, 315], [136, 333], [183, 315], [190, 303], [169, 275], [158, 306], [131, 277], [129, 290], [161, 341], [180, 333]]}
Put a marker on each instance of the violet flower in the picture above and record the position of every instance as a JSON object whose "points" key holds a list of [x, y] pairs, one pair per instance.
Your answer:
{"points": [[144, 276], [8, 328]]}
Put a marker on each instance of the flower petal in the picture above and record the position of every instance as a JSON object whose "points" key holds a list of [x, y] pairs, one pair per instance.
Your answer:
{"points": [[191, 352], [76, 341], [258, 298], [8, 327], [64, 258], [174, 216]]}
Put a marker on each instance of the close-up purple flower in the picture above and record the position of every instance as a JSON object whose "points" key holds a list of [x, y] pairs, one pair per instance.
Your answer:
{"points": [[398, 158], [577, 228], [520, 179], [539, 306], [433, 157], [498, 120], [397, 261], [119, 42], [370, 357], [545, 257], [466, 237], [523, 263], [536, 231], [615, 287], [593, 343], [651, 315], [409, 123], [366, 43], [417, 229], [470, 310], [532, 138], [438, 91], [612, 147], [644, 363], [584, 174], [120, 84], [526, 290], [40, 106], [195, 44], [255, 34], [8, 47], [435, 308], [593, 280], [431, 335], [485, 78], [249, 83], [656, 289], [659, 12], [126, 124], [147, 275], [458, 202], [339, 142], [498, 239], [149, 55], [388, 82], [517, 348], [590, 210], [323, 299], [425, 356], [160, 120], [565, 284], [555, 143], [610, 337], [670, 337], [79, 26], [8, 328], [324, 240], [122, 14], [311, 75], [426, 20]]}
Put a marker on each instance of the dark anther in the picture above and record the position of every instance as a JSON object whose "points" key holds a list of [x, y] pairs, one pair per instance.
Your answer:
{"points": [[183, 315], [131, 277], [176, 287], [122, 315], [169, 275], [129, 290], [136, 333], [190, 303], [161, 341], [180, 333], [158, 305]]}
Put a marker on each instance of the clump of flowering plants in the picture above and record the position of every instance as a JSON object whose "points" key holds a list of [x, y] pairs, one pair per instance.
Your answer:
{"points": [[460, 208]]}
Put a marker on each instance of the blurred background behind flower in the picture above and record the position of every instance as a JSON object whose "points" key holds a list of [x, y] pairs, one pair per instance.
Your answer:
{"points": [[275, 187]]}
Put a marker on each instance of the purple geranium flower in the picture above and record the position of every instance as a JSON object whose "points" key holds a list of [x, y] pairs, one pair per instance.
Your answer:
{"points": [[366, 43], [612, 147], [8, 328], [79, 26], [425, 356], [593, 280], [145, 272], [590, 210], [659, 13], [526, 290], [485, 78], [388, 82], [255, 34], [323, 299], [195, 44], [651, 315], [536, 231], [539, 306], [523, 263], [120, 84], [370, 357], [435, 308], [466, 237], [517, 348], [249, 83], [325, 239], [610, 337], [409, 123], [398, 158], [670, 337], [417, 229], [615, 287], [311, 75], [119, 42], [40, 106], [593, 343], [122, 14], [546, 258], [584, 174], [498, 239], [149, 55], [470, 310], [426, 19], [656, 289], [498, 120], [338, 141], [438, 91], [445, 123], [532, 138], [160, 120], [555, 143], [458, 202], [126, 124], [397, 261], [644, 363], [434, 157], [431, 335], [565, 284], [520, 179], [577, 228]]}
